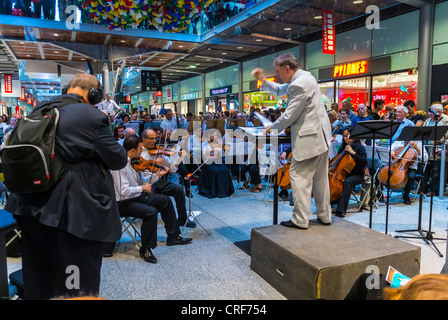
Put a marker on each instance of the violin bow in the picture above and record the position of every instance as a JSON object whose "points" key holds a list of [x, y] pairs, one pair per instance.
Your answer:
{"points": [[164, 148]]}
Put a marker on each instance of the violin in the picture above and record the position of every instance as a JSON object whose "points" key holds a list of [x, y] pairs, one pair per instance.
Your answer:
{"points": [[339, 168], [283, 178], [158, 151], [141, 164], [399, 168]]}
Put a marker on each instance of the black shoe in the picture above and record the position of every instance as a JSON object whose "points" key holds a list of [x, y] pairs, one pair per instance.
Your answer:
{"points": [[291, 224], [291, 203], [340, 214], [178, 241], [406, 200], [190, 224], [147, 255], [324, 223], [284, 193]]}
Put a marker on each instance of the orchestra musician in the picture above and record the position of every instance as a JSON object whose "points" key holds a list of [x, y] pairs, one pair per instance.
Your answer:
{"points": [[311, 137], [412, 169], [284, 191], [136, 198], [215, 180], [241, 151], [162, 186], [357, 151]]}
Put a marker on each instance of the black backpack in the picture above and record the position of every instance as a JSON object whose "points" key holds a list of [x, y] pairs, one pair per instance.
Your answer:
{"points": [[30, 160]]}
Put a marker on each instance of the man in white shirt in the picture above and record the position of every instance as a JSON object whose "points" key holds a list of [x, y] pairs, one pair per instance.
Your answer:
{"points": [[412, 169], [108, 105], [154, 109], [136, 199], [169, 122]]}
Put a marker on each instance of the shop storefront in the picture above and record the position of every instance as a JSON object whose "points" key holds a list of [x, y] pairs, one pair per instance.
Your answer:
{"points": [[364, 81], [190, 102], [221, 99], [260, 99]]}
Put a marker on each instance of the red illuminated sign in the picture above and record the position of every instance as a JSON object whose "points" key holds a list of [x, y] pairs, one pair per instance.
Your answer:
{"points": [[128, 98], [22, 93], [8, 83], [349, 69], [328, 32], [159, 93]]}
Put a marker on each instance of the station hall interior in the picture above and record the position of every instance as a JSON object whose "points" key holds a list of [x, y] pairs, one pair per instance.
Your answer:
{"points": [[390, 50]]}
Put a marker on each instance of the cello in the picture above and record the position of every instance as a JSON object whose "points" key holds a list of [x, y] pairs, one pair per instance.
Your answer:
{"points": [[339, 168], [399, 168], [283, 178]]}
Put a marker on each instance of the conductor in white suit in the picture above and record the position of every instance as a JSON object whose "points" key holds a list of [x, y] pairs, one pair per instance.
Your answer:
{"points": [[310, 139]]}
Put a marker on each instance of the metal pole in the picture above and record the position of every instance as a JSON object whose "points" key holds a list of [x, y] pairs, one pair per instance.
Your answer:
{"points": [[106, 81], [442, 172], [425, 55], [240, 87]]}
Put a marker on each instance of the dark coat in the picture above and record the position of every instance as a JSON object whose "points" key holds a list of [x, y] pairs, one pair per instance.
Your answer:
{"points": [[83, 201]]}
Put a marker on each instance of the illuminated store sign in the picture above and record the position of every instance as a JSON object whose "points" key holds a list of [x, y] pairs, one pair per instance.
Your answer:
{"points": [[350, 69], [219, 91]]}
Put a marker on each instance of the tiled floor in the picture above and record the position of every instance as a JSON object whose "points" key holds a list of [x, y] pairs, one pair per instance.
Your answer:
{"points": [[214, 268]]}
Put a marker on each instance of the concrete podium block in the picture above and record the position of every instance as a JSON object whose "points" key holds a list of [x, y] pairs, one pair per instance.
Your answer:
{"points": [[323, 262]]}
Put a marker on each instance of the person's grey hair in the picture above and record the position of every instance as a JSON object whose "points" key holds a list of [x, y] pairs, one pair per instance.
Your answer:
{"points": [[145, 133], [437, 108], [403, 108], [287, 59], [84, 82], [128, 132]]}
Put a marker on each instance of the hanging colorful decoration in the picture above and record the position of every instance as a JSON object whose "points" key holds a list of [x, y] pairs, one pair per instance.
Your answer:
{"points": [[117, 14], [175, 16], [166, 16]]}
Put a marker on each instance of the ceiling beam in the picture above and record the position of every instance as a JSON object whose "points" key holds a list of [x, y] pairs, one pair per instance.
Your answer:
{"points": [[41, 51], [416, 3]]}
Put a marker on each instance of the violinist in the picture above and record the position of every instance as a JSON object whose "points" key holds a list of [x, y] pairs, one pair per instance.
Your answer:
{"points": [[412, 169], [163, 186], [136, 198], [356, 150]]}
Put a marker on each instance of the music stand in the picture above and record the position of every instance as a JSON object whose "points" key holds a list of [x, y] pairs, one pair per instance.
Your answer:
{"points": [[428, 133], [190, 212], [374, 129]]}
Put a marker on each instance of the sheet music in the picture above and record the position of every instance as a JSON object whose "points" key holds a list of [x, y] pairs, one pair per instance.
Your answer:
{"points": [[381, 153], [253, 131], [264, 121]]}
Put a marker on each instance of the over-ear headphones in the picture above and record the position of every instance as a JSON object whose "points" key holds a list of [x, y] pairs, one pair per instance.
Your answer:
{"points": [[94, 96]]}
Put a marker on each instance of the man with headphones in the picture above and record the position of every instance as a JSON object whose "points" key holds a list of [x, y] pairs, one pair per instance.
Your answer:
{"points": [[63, 230]]}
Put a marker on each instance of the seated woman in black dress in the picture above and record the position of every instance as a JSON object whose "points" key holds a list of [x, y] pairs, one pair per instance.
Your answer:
{"points": [[357, 151], [215, 180]]}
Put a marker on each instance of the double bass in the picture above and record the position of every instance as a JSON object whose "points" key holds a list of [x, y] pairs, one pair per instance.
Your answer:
{"points": [[339, 168], [399, 168]]}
